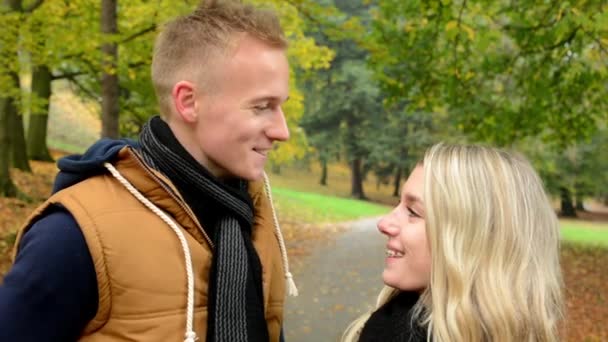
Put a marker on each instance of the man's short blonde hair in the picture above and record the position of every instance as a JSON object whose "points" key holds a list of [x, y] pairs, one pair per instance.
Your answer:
{"points": [[186, 47]]}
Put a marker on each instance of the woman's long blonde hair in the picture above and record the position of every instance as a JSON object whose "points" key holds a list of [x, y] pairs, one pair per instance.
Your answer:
{"points": [[494, 241]]}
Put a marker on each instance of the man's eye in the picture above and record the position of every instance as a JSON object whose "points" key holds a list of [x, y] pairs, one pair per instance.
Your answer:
{"points": [[262, 107]]}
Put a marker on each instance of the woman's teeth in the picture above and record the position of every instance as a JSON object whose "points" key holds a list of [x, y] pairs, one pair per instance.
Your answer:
{"points": [[393, 254]]}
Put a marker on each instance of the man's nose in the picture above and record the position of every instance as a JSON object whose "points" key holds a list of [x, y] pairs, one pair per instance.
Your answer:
{"points": [[278, 129]]}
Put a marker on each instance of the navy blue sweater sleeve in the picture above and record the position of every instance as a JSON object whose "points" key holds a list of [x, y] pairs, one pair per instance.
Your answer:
{"points": [[50, 293]]}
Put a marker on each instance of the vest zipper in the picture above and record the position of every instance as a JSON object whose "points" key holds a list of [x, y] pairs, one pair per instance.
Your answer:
{"points": [[172, 194]]}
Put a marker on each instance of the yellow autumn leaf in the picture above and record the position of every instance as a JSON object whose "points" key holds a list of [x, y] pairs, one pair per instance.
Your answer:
{"points": [[451, 25], [469, 31], [421, 103]]}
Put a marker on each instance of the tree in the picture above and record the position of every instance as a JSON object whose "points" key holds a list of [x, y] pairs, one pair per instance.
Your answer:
{"points": [[70, 47], [39, 113], [14, 118], [36, 31], [12, 147], [348, 105], [405, 136], [17, 145], [40, 34], [109, 76], [344, 100], [7, 187], [572, 174], [50, 40], [502, 70]]}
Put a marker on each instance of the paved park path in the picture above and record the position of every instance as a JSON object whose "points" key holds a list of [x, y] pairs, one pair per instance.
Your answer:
{"points": [[337, 282]]}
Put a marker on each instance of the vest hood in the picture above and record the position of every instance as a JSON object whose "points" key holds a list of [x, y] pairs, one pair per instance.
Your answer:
{"points": [[78, 167]]}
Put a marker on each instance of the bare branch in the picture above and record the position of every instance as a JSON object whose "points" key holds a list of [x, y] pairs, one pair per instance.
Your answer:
{"points": [[457, 41], [33, 6], [566, 39], [84, 89], [542, 24], [137, 65], [137, 34], [598, 41], [464, 5], [124, 40], [529, 28], [68, 75]]}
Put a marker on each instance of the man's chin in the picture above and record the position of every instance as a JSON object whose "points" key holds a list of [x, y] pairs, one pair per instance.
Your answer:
{"points": [[253, 175]]}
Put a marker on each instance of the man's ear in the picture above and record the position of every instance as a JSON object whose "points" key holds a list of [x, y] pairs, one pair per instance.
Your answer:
{"points": [[184, 100]]}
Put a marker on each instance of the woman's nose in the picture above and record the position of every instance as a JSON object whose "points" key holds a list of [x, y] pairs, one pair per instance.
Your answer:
{"points": [[387, 225]]}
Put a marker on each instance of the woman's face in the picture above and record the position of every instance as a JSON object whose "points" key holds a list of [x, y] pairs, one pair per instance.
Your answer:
{"points": [[408, 257]]}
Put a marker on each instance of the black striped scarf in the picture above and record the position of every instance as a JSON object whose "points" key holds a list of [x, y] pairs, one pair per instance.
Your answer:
{"points": [[229, 316]]}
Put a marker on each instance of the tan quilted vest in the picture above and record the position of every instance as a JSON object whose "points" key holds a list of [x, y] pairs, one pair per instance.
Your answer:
{"points": [[139, 261]]}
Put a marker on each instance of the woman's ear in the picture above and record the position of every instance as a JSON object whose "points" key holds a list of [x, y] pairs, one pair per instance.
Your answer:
{"points": [[184, 101]]}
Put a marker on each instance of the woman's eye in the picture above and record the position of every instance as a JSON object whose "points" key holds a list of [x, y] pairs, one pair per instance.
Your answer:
{"points": [[411, 212]]}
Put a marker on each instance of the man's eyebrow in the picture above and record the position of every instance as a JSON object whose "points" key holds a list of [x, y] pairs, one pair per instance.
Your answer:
{"points": [[270, 99]]}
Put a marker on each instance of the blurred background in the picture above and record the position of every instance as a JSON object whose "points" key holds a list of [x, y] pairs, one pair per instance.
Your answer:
{"points": [[373, 84]]}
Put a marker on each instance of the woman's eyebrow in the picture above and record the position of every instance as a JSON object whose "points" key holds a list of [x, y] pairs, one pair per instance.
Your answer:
{"points": [[410, 198]]}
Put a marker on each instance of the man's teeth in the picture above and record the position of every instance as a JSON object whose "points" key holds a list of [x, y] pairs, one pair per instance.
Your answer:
{"points": [[262, 152], [393, 254]]}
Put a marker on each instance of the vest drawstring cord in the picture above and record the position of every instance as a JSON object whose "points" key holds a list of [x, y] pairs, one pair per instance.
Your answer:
{"points": [[292, 290], [190, 335]]}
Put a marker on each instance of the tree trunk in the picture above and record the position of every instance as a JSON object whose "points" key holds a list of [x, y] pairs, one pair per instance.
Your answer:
{"points": [[567, 209], [323, 180], [36, 133], [397, 183], [357, 179], [579, 203], [109, 78], [16, 136], [579, 197], [7, 187], [8, 110]]}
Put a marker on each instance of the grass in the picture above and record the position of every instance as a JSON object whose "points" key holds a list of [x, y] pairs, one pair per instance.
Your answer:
{"points": [[306, 178], [585, 232], [318, 208]]}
